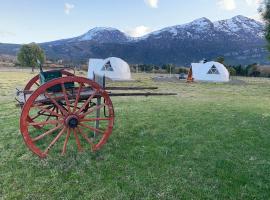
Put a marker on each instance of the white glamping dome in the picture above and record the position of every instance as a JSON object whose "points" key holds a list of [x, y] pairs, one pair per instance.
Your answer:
{"points": [[210, 71], [113, 68]]}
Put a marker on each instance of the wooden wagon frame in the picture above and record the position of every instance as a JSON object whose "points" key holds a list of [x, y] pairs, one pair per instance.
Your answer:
{"points": [[65, 105]]}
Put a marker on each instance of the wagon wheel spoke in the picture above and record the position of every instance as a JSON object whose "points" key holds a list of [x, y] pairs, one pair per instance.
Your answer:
{"points": [[92, 128], [54, 108], [40, 113], [77, 97], [45, 122], [59, 111], [54, 140], [55, 103], [52, 112], [87, 102], [66, 97], [77, 139], [86, 138], [72, 106], [65, 142], [47, 133], [92, 110], [36, 116], [50, 115], [37, 84]]}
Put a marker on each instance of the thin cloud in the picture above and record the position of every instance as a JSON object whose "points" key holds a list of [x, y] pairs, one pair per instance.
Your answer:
{"points": [[152, 3], [257, 17], [253, 2], [6, 34], [139, 31], [68, 7], [227, 4]]}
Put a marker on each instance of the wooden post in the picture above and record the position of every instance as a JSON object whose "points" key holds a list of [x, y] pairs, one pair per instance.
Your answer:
{"points": [[97, 114], [101, 82]]}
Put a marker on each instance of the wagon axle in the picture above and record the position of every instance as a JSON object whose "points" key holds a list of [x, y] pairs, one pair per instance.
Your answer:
{"points": [[72, 121]]}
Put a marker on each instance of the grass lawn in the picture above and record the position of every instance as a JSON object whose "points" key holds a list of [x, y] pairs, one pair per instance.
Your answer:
{"points": [[211, 141]]}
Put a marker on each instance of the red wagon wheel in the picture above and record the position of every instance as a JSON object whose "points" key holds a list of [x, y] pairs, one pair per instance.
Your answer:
{"points": [[79, 119], [32, 85]]}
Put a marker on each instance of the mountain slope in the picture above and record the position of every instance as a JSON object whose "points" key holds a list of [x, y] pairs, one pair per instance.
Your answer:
{"points": [[103, 35], [239, 39]]}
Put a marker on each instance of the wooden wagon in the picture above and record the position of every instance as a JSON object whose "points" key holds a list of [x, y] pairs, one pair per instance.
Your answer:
{"points": [[57, 104]]}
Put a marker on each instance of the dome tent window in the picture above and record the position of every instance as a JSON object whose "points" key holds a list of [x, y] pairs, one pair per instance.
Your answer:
{"points": [[107, 67], [213, 70]]}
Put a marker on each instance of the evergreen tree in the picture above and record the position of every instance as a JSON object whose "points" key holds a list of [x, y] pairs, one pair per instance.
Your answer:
{"points": [[220, 60], [265, 11]]}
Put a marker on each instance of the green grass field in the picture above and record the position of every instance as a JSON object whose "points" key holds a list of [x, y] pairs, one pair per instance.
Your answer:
{"points": [[211, 141]]}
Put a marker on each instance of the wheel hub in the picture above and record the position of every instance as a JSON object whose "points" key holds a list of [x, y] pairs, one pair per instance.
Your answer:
{"points": [[72, 121]]}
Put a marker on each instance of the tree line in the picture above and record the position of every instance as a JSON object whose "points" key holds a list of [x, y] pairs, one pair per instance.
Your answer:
{"points": [[243, 70], [165, 68], [30, 54], [250, 70]]}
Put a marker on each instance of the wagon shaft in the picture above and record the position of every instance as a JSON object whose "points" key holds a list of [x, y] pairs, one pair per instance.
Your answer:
{"points": [[131, 88], [141, 94], [24, 95]]}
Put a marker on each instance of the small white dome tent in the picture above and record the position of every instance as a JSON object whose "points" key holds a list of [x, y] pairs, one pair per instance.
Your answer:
{"points": [[208, 71], [113, 68]]}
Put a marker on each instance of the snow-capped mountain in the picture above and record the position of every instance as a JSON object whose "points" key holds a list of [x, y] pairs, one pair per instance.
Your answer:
{"points": [[235, 26], [103, 35], [197, 26], [239, 39], [239, 27]]}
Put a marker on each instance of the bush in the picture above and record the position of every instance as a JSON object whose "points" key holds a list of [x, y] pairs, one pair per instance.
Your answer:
{"points": [[232, 71], [182, 70]]}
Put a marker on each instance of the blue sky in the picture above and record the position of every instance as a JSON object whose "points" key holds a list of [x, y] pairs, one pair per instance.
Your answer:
{"points": [[24, 21]]}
